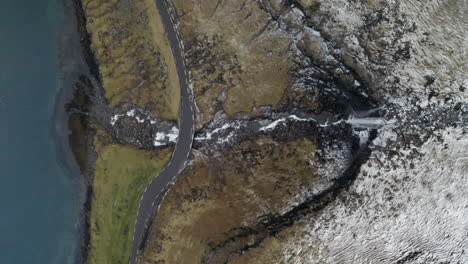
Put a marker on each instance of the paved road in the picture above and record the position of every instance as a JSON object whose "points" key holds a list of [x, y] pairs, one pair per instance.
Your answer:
{"points": [[152, 195]]}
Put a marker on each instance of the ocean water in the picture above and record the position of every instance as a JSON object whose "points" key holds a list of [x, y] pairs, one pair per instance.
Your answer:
{"points": [[39, 201]]}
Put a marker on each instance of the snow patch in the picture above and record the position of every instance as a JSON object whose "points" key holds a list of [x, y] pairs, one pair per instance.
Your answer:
{"points": [[366, 122], [162, 139], [115, 118], [134, 113], [272, 125], [215, 131]]}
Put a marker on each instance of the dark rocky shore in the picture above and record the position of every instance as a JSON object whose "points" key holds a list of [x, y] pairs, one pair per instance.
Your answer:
{"points": [[71, 129], [73, 107]]}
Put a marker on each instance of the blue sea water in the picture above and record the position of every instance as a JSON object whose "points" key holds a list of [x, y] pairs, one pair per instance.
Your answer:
{"points": [[39, 204]]}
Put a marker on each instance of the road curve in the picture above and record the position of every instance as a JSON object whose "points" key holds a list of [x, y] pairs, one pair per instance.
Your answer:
{"points": [[152, 196]]}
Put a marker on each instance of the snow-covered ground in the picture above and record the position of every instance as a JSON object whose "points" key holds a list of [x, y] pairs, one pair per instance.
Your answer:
{"points": [[409, 203], [401, 206], [139, 115], [162, 139]]}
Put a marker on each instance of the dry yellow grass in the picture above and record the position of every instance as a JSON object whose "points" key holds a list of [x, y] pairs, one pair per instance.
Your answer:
{"points": [[212, 200], [134, 55], [238, 57]]}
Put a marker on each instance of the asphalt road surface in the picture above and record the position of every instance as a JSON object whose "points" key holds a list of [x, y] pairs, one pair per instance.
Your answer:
{"points": [[153, 193]]}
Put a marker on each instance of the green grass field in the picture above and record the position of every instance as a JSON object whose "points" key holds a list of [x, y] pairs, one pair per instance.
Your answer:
{"points": [[122, 173]]}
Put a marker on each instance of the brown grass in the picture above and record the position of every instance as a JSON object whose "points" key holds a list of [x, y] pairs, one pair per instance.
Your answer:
{"points": [[235, 49], [134, 55], [213, 199]]}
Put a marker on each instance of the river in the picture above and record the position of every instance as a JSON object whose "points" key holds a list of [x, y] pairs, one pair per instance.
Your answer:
{"points": [[40, 198]]}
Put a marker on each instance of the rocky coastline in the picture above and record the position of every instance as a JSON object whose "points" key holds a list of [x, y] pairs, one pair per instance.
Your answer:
{"points": [[79, 123]]}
